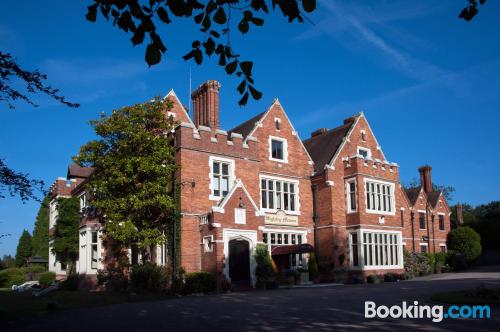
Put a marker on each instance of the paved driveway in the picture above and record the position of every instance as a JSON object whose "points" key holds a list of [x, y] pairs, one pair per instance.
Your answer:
{"points": [[338, 308]]}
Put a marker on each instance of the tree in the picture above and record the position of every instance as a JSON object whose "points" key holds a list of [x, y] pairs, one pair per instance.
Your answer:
{"points": [[447, 191], [470, 10], [216, 19], [34, 80], [134, 167], [7, 262], [65, 245], [466, 241], [17, 183], [23, 251], [41, 231]]}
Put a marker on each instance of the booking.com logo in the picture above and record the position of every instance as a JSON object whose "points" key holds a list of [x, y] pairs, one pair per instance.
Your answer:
{"points": [[415, 311]]}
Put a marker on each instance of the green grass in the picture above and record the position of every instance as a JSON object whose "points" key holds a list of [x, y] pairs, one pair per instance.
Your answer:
{"points": [[16, 305], [480, 295]]}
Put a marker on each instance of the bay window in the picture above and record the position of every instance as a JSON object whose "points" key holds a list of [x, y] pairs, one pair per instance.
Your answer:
{"points": [[379, 197], [375, 249], [278, 194]]}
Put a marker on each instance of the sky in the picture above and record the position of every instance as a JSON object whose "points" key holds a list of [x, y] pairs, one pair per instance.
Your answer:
{"points": [[428, 83]]}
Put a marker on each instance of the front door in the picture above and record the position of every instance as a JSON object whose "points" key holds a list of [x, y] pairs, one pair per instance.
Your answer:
{"points": [[239, 261]]}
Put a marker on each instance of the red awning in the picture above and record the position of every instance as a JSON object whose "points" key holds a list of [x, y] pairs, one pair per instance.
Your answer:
{"points": [[292, 249]]}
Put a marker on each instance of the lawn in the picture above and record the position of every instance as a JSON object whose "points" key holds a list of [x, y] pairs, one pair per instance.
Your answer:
{"points": [[480, 295], [16, 305]]}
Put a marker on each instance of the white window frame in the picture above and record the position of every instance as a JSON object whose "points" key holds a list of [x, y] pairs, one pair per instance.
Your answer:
{"points": [[392, 197], [279, 121], [368, 151], [274, 210], [208, 246], [444, 222], [425, 219], [348, 195], [285, 149], [443, 245], [300, 259], [83, 201], [91, 246], [425, 244], [397, 254], [231, 173]]}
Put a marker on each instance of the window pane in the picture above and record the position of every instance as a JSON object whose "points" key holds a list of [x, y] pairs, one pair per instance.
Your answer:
{"points": [[264, 198], [224, 186], [225, 169], [292, 202], [292, 187], [94, 237], [216, 167]]}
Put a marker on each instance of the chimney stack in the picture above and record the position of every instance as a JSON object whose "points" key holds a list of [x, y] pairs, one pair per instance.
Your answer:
{"points": [[425, 178], [460, 215], [206, 104]]}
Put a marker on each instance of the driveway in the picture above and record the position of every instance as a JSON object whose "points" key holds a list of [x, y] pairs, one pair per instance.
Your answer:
{"points": [[338, 308]]}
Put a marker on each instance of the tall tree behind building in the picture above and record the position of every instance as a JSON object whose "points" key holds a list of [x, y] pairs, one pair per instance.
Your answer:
{"points": [[41, 231], [23, 251]]}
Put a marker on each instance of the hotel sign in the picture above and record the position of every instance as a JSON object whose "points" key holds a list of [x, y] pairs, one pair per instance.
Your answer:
{"points": [[281, 218]]}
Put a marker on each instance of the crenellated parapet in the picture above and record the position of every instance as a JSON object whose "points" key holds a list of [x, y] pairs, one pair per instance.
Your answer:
{"points": [[372, 166], [216, 141], [62, 187]]}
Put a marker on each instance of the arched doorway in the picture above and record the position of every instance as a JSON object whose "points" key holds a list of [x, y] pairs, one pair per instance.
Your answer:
{"points": [[239, 261]]}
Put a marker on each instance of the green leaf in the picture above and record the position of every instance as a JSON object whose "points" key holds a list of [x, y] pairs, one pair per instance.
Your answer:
{"points": [[242, 86], [243, 101], [138, 36], [243, 26], [163, 15], [257, 21], [153, 54], [92, 13], [220, 16], [231, 67], [255, 93], [246, 67], [309, 5], [198, 56], [209, 45]]}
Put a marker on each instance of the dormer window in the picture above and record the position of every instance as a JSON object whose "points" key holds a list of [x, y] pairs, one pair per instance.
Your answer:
{"points": [[278, 149], [364, 152]]}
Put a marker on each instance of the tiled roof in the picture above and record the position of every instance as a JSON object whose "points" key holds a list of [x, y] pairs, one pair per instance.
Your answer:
{"points": [[412, 194], [246, 127], [76, 171], [323, 147], [433, 197]]}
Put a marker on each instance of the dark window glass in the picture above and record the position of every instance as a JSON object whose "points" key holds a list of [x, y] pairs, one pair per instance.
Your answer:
{"points": [[441, 222], [354, 241], [421, 218], [277, 149]]}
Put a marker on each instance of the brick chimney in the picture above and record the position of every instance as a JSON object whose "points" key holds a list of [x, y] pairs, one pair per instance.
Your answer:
{"points": [[460, 215], [206, 104], [425, 178]]}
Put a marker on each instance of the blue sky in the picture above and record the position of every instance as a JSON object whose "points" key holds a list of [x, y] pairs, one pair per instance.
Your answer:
{"points": [[428, 83]]}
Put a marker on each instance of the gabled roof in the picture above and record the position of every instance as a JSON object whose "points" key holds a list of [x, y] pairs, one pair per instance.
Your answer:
{"points": [[173, 95], [412, 194], [323, 147], [246, 127], [76, 171], [239, 184], [433, 198]]}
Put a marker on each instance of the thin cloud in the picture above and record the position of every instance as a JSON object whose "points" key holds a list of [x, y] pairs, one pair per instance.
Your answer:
{"points": [[354, 23]]}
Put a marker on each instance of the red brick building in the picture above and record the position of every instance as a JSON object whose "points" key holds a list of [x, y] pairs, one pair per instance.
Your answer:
{"points": [[335, 193]]}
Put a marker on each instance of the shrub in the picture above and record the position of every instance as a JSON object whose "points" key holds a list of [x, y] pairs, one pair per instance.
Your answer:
{"points": [[390, 277], [46, 279], [18, 275], [440, 262], [199, 282], [313, 267], [264, 271], [467, 241], [416, 264], [71, 283], [457, 261], [373, 279], [149, 277]]}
